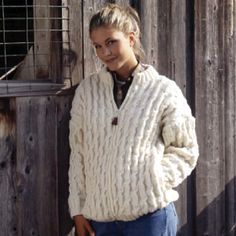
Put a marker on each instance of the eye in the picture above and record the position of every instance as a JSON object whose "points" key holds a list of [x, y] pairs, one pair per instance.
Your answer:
{"points": [[96, 46], [111, 42]]}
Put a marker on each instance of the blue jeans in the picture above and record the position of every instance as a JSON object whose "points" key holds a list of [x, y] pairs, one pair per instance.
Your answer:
{"points": [[162, 222]]}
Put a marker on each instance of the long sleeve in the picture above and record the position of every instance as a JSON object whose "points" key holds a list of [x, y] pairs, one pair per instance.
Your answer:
{"points": [[76, 169], [181, 149]]}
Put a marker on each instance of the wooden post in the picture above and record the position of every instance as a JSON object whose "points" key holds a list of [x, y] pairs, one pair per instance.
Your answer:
{"points": [[215, 73]]}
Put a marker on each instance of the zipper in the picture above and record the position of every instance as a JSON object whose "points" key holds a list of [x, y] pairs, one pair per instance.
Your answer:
{"points": [[110, 171], [115, 123]]}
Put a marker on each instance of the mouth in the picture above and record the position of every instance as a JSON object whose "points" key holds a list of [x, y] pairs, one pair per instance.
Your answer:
{"points": [[111, 60]]}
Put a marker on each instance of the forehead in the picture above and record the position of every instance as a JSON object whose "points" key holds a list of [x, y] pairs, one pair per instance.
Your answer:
{"points": [[101, 34]]}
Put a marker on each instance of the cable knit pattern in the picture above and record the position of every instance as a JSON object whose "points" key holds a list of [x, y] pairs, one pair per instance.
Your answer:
{"points": [[123, 171]]}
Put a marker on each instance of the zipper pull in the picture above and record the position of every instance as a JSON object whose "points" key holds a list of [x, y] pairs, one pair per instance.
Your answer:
{"points": [[114, 121]]}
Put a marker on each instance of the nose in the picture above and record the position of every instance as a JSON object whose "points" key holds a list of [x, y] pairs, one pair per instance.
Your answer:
{"points": [[106, 51]]}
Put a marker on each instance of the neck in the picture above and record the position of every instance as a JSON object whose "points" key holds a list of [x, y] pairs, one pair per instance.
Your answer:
{"points": [[125, 72]]}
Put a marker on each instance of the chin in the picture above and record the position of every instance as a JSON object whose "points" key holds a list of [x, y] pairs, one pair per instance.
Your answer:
{"points": [[113, 67]]}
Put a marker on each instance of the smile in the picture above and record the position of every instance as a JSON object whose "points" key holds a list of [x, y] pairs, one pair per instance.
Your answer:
{"points": [[110, 60]]}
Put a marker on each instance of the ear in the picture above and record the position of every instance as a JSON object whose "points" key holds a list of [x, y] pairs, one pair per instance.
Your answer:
{"points": [[132, 39]]}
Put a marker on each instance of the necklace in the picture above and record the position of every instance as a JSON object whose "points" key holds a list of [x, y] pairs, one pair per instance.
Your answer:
{"points": [[119, 92], [119, 82]]}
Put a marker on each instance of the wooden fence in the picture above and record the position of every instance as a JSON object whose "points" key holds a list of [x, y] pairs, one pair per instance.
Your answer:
{"points": [[192, 42]]}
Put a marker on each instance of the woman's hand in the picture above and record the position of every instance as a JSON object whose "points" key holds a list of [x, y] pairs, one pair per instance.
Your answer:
{"points": [[82, 226]]}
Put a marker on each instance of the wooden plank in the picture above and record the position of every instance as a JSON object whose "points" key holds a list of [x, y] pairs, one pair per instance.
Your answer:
{"points": [[171, 40], [68, 59], [37, 166], [42, 39], [63, 150], [32, 88], [163, 27], [149, 32], [55, 40], [210, 106], [8, 196], [229, 25], [76, 40], [190, 228], [178, 43]]}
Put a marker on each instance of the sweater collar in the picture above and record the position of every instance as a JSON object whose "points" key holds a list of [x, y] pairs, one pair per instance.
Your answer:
{"points": [[142, 72]]}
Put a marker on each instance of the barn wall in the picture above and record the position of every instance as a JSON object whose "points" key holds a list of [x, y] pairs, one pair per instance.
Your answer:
{"points": [[191, 42]]}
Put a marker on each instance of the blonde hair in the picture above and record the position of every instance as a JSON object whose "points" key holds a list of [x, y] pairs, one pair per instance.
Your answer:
{"points": [[122, 18]]}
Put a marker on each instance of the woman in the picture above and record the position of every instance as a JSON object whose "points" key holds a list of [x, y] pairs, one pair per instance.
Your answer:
{"points": [[132, 137]]}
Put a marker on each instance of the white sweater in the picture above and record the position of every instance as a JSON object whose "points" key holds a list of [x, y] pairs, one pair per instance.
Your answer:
{"points": [[123, 171]]}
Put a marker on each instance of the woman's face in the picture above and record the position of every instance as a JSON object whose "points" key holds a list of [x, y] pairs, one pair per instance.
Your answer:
{"points": [[115, 49]]}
